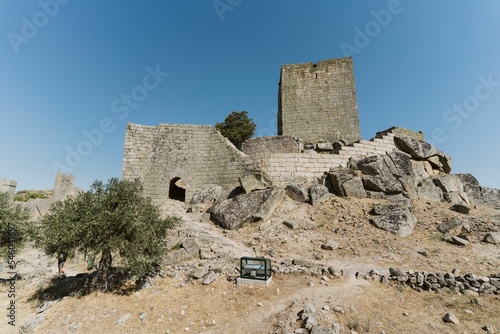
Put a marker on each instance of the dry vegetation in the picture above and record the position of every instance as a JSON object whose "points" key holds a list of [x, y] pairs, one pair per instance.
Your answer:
{"points": [[174, 305]]}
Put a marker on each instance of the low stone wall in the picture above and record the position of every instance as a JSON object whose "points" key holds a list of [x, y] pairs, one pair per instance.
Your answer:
{"points": [[441, 282]]}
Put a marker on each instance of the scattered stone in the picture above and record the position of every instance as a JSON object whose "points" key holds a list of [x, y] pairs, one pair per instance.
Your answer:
{"points": [[250, 183], [330, 245], [143, 316], [44, 306], [291, 224], [123, 319], [459, 241], [318, 194], [31, 325], [400, 223], [451, 318], [199, 272], [338, 309], [297, 192], [492, 238], [488, 328], [210, 278]]}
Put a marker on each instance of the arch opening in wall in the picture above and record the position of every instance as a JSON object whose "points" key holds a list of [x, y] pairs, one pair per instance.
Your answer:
{"points": [[177, 189]]}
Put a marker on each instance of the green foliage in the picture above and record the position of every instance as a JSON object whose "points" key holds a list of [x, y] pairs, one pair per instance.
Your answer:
{"points": [[25, 195], [237, 127], [113, 220], [15, 227]]}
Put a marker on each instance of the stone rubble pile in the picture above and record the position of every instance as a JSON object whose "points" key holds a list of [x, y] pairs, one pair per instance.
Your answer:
{"points": [[468, 284]]}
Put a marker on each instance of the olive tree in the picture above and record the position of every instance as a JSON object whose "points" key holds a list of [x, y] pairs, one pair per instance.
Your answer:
{"points": [[15, 228], [113, 220]]}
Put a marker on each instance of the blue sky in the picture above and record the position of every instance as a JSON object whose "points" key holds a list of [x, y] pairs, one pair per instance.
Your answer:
{"points": [[72, 70]]}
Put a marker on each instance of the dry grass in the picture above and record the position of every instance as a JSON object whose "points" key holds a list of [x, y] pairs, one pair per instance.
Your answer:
{"points": [[369, 307]]}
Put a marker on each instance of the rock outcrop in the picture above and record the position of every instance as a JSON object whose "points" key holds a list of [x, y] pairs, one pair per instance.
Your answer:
{"points": [[247, 208]]}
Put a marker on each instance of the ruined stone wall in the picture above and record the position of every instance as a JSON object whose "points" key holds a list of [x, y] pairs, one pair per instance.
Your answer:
{"points": [[198, 154], [318, 101], [283, 168], [272, 144], [8, 186], [402, 132]]}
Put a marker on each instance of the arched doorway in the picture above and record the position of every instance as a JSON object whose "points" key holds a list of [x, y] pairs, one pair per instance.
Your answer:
{"points": [[177, 189]]}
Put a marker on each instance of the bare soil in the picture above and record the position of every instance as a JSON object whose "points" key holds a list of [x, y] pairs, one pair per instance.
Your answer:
{"points": [[180, 305]]}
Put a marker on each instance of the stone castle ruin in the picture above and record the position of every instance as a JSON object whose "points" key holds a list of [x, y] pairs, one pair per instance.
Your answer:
{"points": [[318, 101], [318, 143]]}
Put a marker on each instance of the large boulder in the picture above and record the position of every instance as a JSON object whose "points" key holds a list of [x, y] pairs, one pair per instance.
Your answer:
{"points": [[387, 185], [399, 163], [449, 183], [418, 149], [247, 208], [210, 195], [338, 177], [318, 194], [354, 188], [297, 192], [399, 222], [250, 183], [421, 150], [428, 191]]}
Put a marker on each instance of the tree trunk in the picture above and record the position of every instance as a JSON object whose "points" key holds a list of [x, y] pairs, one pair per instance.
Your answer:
{"points": [[104, 270]]}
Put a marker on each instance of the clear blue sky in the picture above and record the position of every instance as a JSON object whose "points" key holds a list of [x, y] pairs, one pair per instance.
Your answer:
{"points": [[67, 66]]}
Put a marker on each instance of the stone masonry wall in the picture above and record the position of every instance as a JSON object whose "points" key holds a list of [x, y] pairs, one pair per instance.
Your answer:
{"points": [[284, 168], [402, 132], [272, 144], [198, 154], [318, 101]]}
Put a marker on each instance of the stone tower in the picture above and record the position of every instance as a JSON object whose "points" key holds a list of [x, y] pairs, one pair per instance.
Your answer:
{"points": [[318, 101]]}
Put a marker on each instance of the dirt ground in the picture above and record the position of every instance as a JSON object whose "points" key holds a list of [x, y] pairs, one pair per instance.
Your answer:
{"points": [[175, 305]]}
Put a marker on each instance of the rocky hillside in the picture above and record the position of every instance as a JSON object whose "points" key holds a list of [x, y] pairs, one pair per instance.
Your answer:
{"points": [[389, 244]]}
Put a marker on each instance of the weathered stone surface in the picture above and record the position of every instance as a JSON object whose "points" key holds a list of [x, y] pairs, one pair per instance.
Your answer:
{"points": [[337, 178], [330, 245], [492, 238], [401, 162], [160, 155], [418, 149], [449, 183], [373, 165], [451, 318], [250, 183], [247, 208], [382, 184], [291, 224], [200, 272], [354, 188], [453, 226], [419, 169], [460, 208], [386, 208], [400, 223], [427, 190], [459, 241], [210, 278], [297, 192], [325, 146], [330, 103], [318, 194]]}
